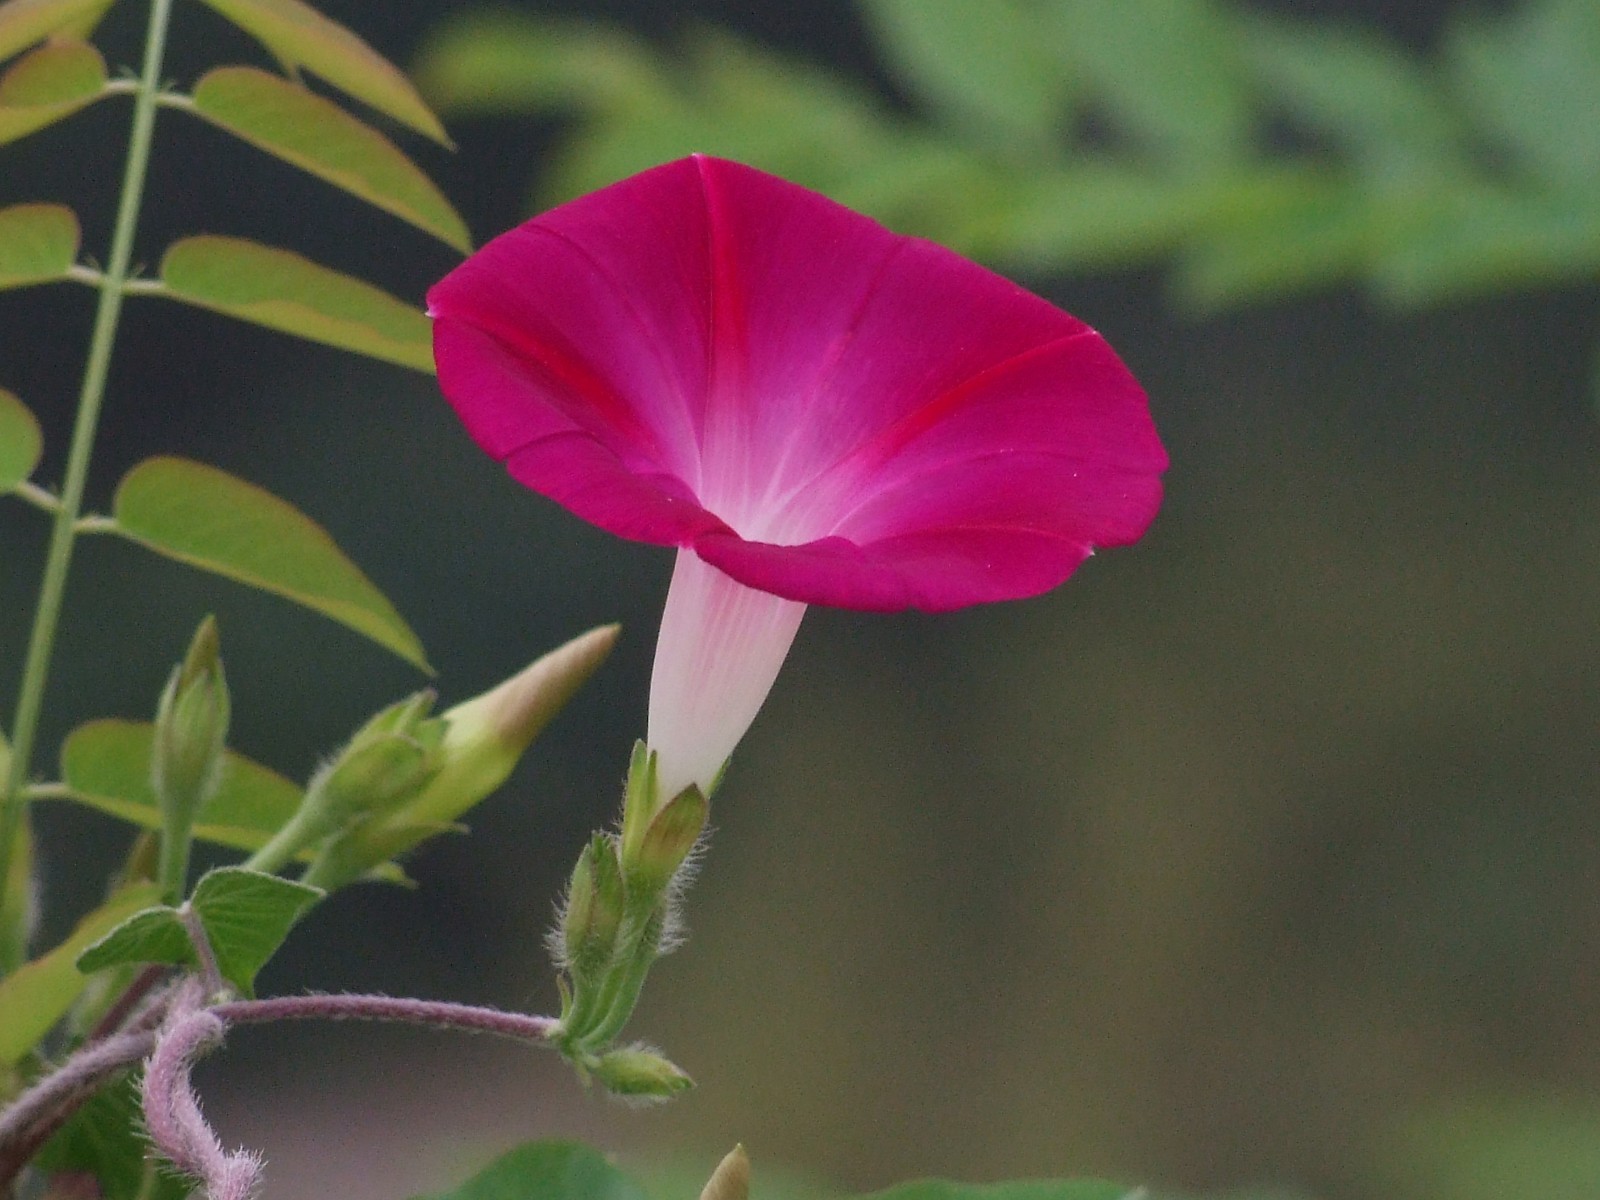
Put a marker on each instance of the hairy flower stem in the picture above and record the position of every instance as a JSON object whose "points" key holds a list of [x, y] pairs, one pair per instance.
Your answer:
{"points": [[112, 284], [30, 1119], [188, 1029]]}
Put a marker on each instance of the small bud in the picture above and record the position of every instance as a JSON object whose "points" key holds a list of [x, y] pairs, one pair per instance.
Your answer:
{"points": [[486, 736], [731, 1179], [191, 730], [667, 842], [478, 743], [639, 1073], [594, 909], [187, 755]]}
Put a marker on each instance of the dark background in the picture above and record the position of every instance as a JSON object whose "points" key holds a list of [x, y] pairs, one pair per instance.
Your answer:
{"points": [[1264, 852]]}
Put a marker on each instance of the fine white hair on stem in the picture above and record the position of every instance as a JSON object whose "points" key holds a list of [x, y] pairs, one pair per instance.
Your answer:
{"points": [[172, 1113]]}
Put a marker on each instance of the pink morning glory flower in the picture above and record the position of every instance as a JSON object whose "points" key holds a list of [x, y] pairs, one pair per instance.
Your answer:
{"points": [[813, 409]]}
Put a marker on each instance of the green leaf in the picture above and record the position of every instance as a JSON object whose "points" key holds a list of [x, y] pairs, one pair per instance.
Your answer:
{"points": [[48, 84], [318, 136], [106, 764], [105, 1139], [986, 65], [155, 935], [1323, 238], [284, 291], [36, 996], [21, 443], [299, 36], [1478, 241], [217, 522], [502, 61], [786, 117], [246, 916], [1359, 88], [1166, 72], [38, 243], [547, 1171], [1019, 1189], [24, 22], [1531, 77]]}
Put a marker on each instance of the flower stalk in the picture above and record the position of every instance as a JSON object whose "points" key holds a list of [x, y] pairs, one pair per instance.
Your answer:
{"points": [[52, 588]]}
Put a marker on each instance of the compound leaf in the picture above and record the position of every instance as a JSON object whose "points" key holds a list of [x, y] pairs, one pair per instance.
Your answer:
{"points": [[318, 136], [292, 294], [299, 36], [20, 446], [47, 85], [24, 22], [209, 519], [38, 243]]}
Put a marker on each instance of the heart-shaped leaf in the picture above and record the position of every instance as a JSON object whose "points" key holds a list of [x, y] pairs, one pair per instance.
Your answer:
{"points": [[20, 441], [48, 84], [36, 996], [106, 764], [246, 916], [564, 1170], [318, 136], [284, 291], [299, 36], [24, 22], [217, 522], [38, 243]]}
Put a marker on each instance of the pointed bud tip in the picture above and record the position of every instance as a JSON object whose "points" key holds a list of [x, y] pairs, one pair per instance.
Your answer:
{"points": [[640, 1074], [731, 1179], [205, 651]]}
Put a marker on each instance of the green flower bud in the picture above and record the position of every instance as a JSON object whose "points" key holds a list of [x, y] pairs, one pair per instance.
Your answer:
{"points": [[638, 1072], [187, 756], [486, 736], [191, 730], [478, 742]]}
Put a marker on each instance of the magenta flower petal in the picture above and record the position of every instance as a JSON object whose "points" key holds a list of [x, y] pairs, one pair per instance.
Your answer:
{"points": [[814, 409], [704, 355]]}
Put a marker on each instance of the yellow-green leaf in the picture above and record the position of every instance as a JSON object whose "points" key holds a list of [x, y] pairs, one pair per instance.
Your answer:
{"points": [[287, 292], [106, 764], [299, 36], [48, 84], [20, 446], [217, 522], [38, 243], [318, 136], [36, 996], [24, 22]]}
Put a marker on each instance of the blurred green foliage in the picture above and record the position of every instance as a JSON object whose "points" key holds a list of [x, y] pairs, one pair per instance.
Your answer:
{"points": [[1260, 155]]}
